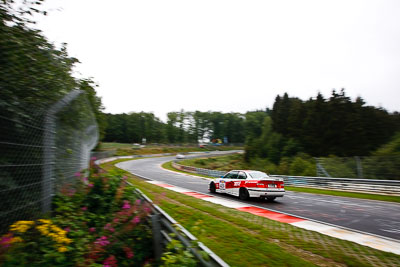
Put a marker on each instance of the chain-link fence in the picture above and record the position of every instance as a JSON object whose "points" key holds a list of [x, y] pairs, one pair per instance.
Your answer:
{"points": [[43, 144], [374, 167]]}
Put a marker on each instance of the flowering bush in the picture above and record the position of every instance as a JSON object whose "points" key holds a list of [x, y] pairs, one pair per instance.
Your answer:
{"points": [[28, 239], [97, 221]]}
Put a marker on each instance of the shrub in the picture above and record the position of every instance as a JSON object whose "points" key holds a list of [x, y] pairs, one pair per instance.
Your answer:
{"points": [[96, 220], [302, 165]]}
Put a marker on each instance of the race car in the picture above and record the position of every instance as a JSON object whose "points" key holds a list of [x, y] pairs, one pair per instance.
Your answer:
{"points": [[248, 183]]}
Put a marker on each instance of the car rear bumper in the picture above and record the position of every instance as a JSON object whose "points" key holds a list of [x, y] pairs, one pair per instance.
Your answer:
{"points": [[266, 192]]}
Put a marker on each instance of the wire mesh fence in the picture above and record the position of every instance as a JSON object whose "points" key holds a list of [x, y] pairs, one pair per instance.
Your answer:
{"points": [[43, 144], [373, 167]]}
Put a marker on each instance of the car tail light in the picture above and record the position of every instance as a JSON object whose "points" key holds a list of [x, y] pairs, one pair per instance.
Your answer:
{"points": [[260, 184], [280, 185]]}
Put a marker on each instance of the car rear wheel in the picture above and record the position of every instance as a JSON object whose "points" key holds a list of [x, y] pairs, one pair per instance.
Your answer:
{"points": [[243, 193], [271, 198], [212, 188]]}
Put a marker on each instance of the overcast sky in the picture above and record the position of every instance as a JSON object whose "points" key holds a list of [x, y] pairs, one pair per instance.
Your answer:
{"points": [[230, 56]]}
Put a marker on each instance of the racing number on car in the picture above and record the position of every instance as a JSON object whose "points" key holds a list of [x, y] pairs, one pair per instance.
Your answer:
{"points": [[222, 184]]}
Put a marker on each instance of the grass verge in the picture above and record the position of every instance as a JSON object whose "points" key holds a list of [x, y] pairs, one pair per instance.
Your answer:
{"points": [[129, 149], [344, 194], [168, 166], [243, 239]]}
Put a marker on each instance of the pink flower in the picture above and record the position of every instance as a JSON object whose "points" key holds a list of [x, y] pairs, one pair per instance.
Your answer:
{"points": [[102, 241], [84, 208], [71, 192], [136, 220], [85, 180], [90, 185], [92, 229], [138, 201], [67, 229], [116, 220], [128, 252], [110, 262], [78, 174], [5, 241], [109, 228], [124, 178], [93, 158], [126, 205]]}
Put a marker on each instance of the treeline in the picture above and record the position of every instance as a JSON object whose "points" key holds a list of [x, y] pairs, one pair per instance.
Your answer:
{"points": [[321, 127], [181, 127], [34, 74]]}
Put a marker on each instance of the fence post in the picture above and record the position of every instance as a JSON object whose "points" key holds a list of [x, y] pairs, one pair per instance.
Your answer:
{"points": [[157, 241], [320, 169], [49, 149], [359, 167]]}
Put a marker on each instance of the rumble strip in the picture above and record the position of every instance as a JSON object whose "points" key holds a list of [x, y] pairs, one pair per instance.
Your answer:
{"points": [[360, 238]]}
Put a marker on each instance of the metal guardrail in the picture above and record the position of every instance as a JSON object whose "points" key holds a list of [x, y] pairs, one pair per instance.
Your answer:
{"points": [[387, 187], [164, 225], [191, 169]]}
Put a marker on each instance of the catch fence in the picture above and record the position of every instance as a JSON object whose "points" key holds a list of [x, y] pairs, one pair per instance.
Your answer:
{"points": [[371, 167], [43, 144]]}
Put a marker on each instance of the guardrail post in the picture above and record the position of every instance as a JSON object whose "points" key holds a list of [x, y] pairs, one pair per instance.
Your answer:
{"points": [[359, 167], [157, 241]]}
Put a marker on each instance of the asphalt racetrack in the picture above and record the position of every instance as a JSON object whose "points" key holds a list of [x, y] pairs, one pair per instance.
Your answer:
{"points": [[369, 216]]}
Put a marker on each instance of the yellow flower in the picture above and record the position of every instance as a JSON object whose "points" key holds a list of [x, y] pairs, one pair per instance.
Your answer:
{"points": [[25, 222], [16, 239], [21, 226], [52, 235], [62, 249], [43, 229], [67, 240], [44, 221]]}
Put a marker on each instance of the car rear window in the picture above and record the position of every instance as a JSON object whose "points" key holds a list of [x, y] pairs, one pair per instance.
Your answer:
{"points": [[258, 175], [231, 175]]}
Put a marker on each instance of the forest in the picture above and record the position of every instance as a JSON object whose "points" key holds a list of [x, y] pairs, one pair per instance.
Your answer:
{"points": [[318, 127], [181, 127]]}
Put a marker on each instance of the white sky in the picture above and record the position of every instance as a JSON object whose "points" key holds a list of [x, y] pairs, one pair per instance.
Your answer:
{"points": [[230, 56]]}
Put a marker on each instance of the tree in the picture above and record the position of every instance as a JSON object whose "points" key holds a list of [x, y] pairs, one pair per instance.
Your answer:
{"points": [[88, 86], [335, 126]]}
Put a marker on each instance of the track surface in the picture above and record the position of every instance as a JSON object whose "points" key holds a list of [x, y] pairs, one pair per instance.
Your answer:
{"points": [[375, 217]]}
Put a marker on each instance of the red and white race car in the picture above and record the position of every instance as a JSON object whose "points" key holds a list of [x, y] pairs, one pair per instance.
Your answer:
{"points": [[246, 183]]}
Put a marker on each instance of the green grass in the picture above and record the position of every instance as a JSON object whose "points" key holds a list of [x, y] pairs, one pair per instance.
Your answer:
{"points": [[344, 194], [221, 163], [168, 166], [128, 149], [111, 146], [243, 239]]}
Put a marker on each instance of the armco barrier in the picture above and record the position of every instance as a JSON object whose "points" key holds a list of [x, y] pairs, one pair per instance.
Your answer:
{"points": [[387, 187], [164, 225], [165, 228], [212, 173]]}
